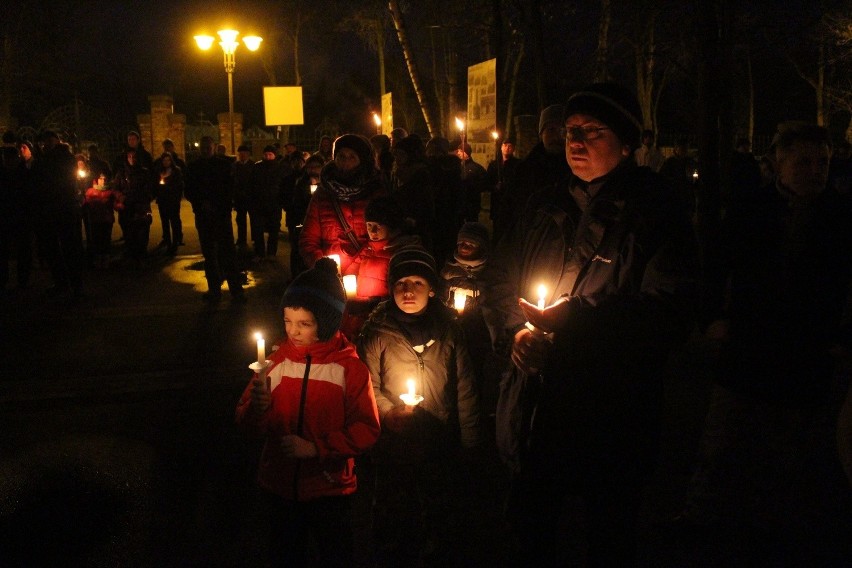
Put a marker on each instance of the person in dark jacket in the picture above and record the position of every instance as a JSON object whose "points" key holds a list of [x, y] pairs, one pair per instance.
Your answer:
{"points": [[768, 453], [413, 345], [542, 167], [616, 254], [241, 173], [208, 189], [266, 192], [296, 207], [169, 192], [469, 282], [132, 185], [59, 215]]}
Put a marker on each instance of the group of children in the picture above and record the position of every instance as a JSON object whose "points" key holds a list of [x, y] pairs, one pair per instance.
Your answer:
{"points": [[332, 394]]}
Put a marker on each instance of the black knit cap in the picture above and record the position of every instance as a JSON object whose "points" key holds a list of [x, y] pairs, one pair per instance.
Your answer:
{"points": [[385, 210], [320, 291], [358, 144], [413, 261], [613, 105], [474, 232]]}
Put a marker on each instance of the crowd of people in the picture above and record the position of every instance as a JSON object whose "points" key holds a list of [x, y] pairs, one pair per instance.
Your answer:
{"points": [[545, 339]]}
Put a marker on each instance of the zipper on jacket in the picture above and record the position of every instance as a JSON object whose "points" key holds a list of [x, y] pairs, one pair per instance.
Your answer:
{"points": [[300, 423]]}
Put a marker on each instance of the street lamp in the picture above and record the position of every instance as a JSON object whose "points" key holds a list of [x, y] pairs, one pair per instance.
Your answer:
{"points": [[229, 47]]}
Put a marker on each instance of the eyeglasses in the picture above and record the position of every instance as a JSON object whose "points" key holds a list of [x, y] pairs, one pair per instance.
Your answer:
{"points": [[582, 133]]}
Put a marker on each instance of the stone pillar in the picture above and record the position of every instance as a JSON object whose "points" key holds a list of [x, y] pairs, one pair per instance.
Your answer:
{"points": [[166, 124], [225, 130], [144, 124]]}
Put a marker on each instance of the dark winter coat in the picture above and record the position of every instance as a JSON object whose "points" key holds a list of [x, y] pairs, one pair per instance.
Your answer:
{"points": [[208, 185], [267, 188], [443, 372], [627, 263], [789, 271]]}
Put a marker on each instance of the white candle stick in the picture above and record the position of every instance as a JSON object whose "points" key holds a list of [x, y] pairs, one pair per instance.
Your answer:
{"points": [[261, 348], [350, 284]]}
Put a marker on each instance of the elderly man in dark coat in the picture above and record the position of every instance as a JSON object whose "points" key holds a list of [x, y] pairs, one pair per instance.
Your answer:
{"points": [[616, 255]]}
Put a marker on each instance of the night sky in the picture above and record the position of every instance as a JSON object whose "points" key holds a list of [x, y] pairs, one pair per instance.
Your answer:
{"points": [[112, 55]]}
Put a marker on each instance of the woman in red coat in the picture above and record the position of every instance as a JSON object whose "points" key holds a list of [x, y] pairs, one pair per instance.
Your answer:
{"points": [[334, 223]]}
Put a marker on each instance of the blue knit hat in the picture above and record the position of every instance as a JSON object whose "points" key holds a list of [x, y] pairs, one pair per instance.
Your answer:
{"points": [[320, 291]]}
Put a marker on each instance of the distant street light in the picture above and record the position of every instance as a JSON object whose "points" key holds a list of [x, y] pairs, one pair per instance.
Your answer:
{"points": [[229, 46]]}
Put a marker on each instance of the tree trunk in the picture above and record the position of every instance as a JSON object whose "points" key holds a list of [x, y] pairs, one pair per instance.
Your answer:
{"points": [[645, 61], [380, 49], [820, 86], [601, 64], [510, 103], [399, 24]]}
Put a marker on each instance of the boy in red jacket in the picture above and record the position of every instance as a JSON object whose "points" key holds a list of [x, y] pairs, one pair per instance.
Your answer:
{"points": [[317, 413]]}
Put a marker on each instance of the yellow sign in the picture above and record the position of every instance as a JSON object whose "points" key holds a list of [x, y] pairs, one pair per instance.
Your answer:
{"points": [[283, 106]]}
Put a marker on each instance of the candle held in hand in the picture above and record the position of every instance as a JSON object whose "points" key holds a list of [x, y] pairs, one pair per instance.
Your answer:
{"points": [[542, 294], [411, 398], [261, 348], [459, 300]]}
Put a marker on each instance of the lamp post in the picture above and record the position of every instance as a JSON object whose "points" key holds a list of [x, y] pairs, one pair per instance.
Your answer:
{"points": [[229, 47]]}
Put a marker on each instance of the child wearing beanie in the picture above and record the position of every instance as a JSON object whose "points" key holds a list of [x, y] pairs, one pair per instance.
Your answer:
{"points": [[413, 336], [315, 412], [385, 223], [473, 279]]}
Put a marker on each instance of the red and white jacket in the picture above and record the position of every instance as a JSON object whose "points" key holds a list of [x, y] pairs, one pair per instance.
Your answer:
{"points": [[340, 417]]}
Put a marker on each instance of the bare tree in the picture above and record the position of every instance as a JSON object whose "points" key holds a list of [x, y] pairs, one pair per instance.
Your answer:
{"points": [[411, 64]]}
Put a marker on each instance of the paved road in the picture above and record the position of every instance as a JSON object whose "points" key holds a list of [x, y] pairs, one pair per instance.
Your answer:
{"points": [[117, 445]]}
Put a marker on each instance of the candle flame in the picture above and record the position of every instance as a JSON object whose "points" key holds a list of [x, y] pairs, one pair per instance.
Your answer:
{"points": [[258, 336], [410, 384], [542, 296]]}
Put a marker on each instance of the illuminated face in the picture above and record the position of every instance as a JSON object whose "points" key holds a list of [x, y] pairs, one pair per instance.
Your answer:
{"points": [[377, 231], [803, 168], [269, 156], [467, 250], [411, 294], [301, 326], [347, 160], [132, 140], [591, 159], [508, 149]]}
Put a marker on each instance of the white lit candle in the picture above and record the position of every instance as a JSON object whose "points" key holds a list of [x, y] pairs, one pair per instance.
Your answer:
{"points": [[350, 284], [261, 348], [81, 173], [336, 259], [411, 398], [459, 299], [313, 187], [542, 294]]}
